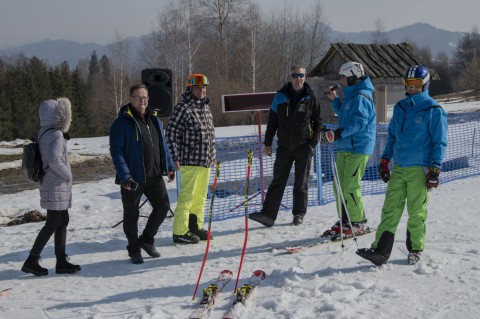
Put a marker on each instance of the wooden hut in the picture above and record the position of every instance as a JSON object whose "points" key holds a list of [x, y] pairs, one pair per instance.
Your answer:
{"points": [[384, 63]]}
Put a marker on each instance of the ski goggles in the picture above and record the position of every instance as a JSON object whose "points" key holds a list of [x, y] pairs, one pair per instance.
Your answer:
{"points": [[197, 79], [417, 83], [298, 75]]}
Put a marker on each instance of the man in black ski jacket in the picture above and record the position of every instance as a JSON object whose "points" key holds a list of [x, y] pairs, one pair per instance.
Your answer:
{"points": [[295, 118]]}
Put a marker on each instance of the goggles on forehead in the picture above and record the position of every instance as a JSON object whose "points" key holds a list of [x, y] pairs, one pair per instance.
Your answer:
{"points": [[197, 79], [418, 83]]}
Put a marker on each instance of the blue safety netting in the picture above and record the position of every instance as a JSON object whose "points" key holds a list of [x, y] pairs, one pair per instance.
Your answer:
{"points": [[462, 159]]}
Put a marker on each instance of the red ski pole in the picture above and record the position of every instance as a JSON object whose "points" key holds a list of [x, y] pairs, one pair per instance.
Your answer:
{"points": [[210, 213], [250, 158]]}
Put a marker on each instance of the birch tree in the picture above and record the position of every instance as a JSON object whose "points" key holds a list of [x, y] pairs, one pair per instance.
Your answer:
{"points": [[119, 57]]}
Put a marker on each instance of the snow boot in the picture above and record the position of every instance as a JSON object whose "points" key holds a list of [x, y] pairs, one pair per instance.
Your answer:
{"points": [[201, 233], [358, 228], [373, 256], [414, 257], [148, 244], [297, 220], [193, 228], [64, 267], [262, 219], [188, 238], [31, 266]]}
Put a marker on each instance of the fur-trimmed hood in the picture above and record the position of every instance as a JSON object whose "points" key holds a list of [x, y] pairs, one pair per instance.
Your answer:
{"points": [[56, 113]]}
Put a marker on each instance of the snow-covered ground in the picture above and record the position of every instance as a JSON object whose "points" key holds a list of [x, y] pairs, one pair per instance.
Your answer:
{"points": [[323, 282]]}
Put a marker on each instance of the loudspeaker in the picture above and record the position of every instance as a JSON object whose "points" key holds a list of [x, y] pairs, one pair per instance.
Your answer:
{"points": [[159, 86]]}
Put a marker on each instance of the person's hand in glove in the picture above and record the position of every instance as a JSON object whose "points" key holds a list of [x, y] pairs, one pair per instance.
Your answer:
{"points": [[171, 176], [130, 185], [433, 177], [329, 136], [383, 170]]}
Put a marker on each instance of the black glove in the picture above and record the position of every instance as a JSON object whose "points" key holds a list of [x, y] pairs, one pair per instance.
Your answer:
{"points": [[433, 177], [383, 170]]}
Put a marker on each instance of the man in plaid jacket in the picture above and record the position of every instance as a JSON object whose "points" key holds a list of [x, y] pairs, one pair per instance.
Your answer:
{"points": [[191, 139]]}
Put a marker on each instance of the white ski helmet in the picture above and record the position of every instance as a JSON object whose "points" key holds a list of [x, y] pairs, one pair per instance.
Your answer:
{"points": [[352, 70]]}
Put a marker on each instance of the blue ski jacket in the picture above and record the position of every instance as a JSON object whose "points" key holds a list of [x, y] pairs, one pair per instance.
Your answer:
{"points": [[417, 133], [356, 118]]}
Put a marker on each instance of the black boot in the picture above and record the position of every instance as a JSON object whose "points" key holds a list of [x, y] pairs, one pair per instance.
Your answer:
{"points": [[31, 266], [64, 267], [193, 227]]}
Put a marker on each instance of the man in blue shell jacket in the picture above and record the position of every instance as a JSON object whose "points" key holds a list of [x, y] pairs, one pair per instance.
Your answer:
{"points": [[355, 139], [140, 155], [417, 139]]}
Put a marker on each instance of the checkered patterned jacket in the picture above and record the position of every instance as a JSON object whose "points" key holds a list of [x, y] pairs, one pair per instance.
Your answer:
{"points": [[191, 134]]}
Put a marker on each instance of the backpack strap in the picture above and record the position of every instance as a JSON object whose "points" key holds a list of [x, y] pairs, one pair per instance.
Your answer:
{"points": [[48, 129], [38, 142]]}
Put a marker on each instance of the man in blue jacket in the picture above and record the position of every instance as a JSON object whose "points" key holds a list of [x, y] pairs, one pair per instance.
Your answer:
{"points": [[295, 118], [140, 155], [355, 139], [417, 139]]}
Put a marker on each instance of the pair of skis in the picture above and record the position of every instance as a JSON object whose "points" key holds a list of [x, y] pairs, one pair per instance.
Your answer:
{"points": [[212, 291], [242, 294], [327, 237]]}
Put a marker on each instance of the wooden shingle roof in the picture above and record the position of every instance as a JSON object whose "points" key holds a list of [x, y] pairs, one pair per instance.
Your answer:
{"points": [[379, 60]]}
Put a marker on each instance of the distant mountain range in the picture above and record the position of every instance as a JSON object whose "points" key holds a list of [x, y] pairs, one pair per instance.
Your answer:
{"points": [[56, 52], [421, 34]]}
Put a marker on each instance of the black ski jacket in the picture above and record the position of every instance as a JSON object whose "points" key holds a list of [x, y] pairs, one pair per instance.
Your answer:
{"points": [[295, 124]]}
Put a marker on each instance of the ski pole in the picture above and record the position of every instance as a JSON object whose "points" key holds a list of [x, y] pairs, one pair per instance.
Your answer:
{"points": [[338, 191], [249, 159], [341, 196], [210, 213]]}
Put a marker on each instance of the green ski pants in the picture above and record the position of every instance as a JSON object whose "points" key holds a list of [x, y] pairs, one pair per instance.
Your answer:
{"points": [[407, 184], [351, 168]]}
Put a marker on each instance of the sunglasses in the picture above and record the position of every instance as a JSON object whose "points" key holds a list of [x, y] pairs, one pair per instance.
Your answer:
{"points": [[198, 80], [417, 83], [139, 98], [298, 75]]}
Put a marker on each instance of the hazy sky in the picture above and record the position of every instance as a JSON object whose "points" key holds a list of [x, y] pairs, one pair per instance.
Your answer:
{"points": [[25, 21]]}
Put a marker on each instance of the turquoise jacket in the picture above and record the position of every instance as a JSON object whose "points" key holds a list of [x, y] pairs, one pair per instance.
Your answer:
{"points": [[417, 133], [357, 118]]}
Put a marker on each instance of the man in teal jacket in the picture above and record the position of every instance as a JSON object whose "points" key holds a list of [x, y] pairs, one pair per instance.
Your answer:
{"points": [[355, 139], [417, 138]]}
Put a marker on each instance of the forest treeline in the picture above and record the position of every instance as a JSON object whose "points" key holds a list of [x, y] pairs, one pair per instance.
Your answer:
{"points": [[231, 41]]}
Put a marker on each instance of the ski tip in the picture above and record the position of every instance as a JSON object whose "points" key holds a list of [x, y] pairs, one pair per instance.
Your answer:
{"points": [[259, 273], [294, 250], [227, 272]]}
